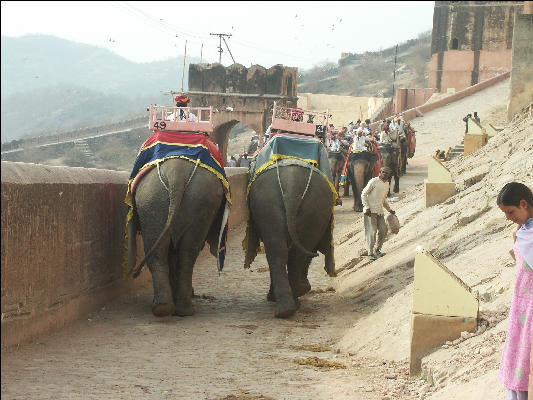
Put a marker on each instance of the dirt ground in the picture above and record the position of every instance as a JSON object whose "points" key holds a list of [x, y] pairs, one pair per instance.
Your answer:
{"points": [[349, 340]]}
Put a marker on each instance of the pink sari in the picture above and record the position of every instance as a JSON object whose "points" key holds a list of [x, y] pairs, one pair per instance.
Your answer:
{"points": [[514, 366]]}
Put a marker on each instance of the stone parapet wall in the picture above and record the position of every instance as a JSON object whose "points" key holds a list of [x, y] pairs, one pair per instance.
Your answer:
{"points": [[410, 98], [420, 110], [62, 245]]}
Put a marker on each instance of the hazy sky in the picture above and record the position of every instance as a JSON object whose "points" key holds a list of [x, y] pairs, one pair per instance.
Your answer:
{"points": [[299, 34]]}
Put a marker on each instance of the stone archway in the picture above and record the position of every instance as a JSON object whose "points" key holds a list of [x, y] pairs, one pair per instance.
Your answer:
{"points": [[221, 133]]}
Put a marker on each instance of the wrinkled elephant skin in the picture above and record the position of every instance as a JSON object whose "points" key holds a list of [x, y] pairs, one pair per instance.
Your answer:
{"points": [[291, 229], [359, 171], [181, 220]]}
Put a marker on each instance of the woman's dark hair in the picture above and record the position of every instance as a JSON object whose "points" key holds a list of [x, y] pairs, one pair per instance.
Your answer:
{"points": [[512, 193]]}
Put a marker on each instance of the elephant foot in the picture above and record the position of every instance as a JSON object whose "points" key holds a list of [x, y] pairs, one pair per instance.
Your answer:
{"points": [[162, 309], [338, 202], [285, 310], [396, 190], [184, 308], [270, 295], [358, 208], [303, 288]]}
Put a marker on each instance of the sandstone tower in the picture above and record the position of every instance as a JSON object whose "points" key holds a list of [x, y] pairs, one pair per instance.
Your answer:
{"points": [[471, 42]]}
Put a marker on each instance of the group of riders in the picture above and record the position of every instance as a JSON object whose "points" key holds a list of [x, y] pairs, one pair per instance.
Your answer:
{"points": [[394, 132]]}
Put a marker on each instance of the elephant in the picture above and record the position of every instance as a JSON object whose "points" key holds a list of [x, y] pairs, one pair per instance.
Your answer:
{"points": [[359, 171], [177, 207], [292, 213], [391, 159], [336, 164]]}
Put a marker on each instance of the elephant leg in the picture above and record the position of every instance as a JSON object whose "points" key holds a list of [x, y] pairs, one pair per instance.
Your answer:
{"points": [[163, 303], [277, 256], [181, 280], [358, 185], [346, 192], [396, 183], [297, 267], [270, 294]]}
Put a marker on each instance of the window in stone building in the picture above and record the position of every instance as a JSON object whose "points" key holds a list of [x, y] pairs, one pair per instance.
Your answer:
{"points": [[455, 44]]}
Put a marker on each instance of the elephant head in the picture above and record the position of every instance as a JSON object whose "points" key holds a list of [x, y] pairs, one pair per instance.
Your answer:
{"points": [[359, 171]]}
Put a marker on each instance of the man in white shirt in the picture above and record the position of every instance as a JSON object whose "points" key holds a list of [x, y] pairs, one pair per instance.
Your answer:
{"points": [[332, 142], [359, 142], [389, 136], [374, 199]]}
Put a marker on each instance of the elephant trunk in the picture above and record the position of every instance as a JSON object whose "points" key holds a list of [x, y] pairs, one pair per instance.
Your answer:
{"points": [[292, 201]]}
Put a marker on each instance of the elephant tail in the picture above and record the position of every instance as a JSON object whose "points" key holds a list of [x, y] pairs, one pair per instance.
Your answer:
{"points": [[175, 199], [292, 203]]}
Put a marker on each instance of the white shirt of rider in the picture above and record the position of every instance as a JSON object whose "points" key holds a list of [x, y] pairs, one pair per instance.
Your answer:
{"points": [[333, 144], [192, 117], [359, 143]]}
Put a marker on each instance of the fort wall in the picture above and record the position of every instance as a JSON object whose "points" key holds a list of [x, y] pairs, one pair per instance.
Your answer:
{"points": [[471, 42], [62, 245]]}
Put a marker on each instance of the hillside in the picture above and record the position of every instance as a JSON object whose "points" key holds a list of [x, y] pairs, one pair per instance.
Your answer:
{"points": [[370, 74], [63, 85]]}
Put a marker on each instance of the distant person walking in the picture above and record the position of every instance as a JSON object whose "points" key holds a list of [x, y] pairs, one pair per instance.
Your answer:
{"points": [[232, 162], [374, 199], [465, 119], [476, 117], [516, 201]]}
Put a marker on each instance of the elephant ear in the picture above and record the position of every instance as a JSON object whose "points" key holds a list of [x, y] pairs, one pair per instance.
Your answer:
{"points": [[214, 231]]}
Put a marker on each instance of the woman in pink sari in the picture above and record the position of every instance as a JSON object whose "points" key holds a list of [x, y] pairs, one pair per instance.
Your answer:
{"points": [[516, 201]]}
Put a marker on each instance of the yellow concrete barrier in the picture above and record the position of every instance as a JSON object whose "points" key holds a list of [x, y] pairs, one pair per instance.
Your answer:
{"points": [[475, 138], [443, 307], [440, 185]]}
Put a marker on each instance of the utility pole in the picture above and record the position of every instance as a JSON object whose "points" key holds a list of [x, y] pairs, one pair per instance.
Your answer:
{"points": [[394, 75], [220, 50]]}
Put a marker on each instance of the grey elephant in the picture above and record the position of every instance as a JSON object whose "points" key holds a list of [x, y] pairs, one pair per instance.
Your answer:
{"points": [[291, 211], [336, 161], [359, 171], [178, 207], [391, 159]]}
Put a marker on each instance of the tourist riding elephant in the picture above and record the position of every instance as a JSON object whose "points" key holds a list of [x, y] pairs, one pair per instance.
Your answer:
{"points": [[292, 214], [391, 159], [179, 208], [359, 171]]}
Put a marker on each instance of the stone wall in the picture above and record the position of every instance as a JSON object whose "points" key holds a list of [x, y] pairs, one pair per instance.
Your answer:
{"points": [[522, 68], [276, 80], [343, 108], [62, 244], [471, 42], [410, 98]]}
